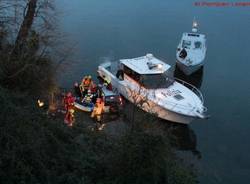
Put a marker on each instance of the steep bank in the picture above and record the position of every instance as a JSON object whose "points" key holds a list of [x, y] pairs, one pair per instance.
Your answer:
{"points": [[36, 149]]}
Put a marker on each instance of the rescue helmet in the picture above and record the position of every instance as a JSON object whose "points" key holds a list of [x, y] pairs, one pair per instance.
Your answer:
{"points": [[89, 77], [89, 91], [69, 94], [71, 111]]}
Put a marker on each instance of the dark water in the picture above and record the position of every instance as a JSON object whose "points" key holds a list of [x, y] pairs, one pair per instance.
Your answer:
{"points": [[127, 28]]}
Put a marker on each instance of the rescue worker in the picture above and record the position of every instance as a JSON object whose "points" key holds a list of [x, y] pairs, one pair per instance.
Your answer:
{"points": [[70, 117], [88, 98], [107, 83], [85, 85], [99, 93], [69, 101], [77, 90], [90, 80], [93, 89], [98, 110], [81, 86]]}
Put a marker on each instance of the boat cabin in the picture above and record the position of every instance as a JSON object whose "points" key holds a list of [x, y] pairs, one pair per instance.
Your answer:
{"points": [[148, 71], [193, 41]]}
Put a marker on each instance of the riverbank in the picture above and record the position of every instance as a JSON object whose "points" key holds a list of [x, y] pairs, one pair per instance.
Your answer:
{"points": [[37, 149]]}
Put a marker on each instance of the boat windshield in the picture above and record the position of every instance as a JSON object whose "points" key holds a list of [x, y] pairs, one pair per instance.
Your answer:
{"points": [[154, 81], [197, 45], [186, 44]]}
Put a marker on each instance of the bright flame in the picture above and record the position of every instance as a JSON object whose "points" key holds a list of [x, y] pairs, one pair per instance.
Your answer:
{"points": [[40, 103]]}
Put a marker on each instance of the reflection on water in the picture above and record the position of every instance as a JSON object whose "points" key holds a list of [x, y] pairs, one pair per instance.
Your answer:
{"points": [[182, 137], [194, 79]]}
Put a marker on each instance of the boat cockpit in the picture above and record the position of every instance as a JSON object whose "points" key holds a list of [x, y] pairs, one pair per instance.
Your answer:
{"points": [[148, 72], [149, 81]]}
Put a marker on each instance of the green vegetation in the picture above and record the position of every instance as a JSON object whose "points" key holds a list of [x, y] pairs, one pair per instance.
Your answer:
{"points": [[35, 149]]}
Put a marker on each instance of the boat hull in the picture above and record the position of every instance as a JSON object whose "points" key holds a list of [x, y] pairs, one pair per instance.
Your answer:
{"points": [[165, 114], [84, 108], [188, 70], [155, 109]]}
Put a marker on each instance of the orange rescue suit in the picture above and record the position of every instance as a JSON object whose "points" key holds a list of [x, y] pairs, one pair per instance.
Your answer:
{"points": [[98, 110]]}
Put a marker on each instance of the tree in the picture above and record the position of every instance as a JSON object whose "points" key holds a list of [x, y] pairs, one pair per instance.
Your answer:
{"points": [[25, 27], [30, 43]]}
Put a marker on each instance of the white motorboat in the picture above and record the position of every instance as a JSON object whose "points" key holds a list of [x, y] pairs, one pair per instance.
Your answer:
{"points": [[145, 82], [191, 51]]}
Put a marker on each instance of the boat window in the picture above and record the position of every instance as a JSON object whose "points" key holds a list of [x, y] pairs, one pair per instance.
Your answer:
{"points": [[197, 45], [131, 73], [195, 35], [186, 44], [154, 81], [178, 97]]}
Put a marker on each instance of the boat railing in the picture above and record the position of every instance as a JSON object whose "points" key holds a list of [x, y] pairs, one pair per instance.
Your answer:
{"points": [[192, 88], [110, 66], [188, 108]]}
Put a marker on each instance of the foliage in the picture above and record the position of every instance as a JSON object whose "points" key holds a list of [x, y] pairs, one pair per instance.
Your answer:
{"points": [[35, 149], [26, 42]]}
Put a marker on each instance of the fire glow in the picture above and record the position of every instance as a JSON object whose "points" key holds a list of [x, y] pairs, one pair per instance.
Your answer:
{"points": [[40, 103]]}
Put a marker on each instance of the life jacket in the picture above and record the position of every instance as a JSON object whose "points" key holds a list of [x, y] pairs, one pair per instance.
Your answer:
{"points": [[69, 102], [99, 107], [106, 81], [86, 82]]}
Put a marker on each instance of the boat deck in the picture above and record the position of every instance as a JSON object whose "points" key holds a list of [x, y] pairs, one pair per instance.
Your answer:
{"points": [[113, 68]]}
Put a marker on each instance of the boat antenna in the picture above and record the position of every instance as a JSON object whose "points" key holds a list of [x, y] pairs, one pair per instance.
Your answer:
{"points": [[195, 26]]}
